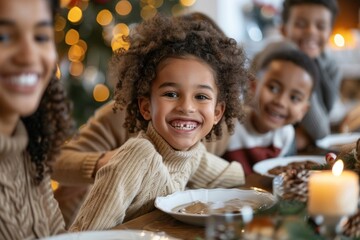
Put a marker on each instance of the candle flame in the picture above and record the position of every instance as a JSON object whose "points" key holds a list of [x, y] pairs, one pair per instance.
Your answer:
{"points": [[338, 167]]}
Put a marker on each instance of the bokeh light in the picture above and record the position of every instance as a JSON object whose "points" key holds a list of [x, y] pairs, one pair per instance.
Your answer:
{"points": [[101, 92], [104, 17], [76, 53], [123, 7], [72, 37], [75, 14], [76, 69], [148, 12], [187, 3]]}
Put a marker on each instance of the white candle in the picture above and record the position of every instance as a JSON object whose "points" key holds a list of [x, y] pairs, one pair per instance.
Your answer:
{"points": [[333, 193]]}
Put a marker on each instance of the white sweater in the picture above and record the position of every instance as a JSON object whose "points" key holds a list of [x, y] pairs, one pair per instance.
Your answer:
{"points": [[146, 167]]}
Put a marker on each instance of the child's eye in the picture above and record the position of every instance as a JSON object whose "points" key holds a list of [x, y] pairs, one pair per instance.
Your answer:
{"points": [[4, 38], [300, 24], [274, 89], [171, 94], [202, 97], [321, 27], [295, 99], [42, 38]]}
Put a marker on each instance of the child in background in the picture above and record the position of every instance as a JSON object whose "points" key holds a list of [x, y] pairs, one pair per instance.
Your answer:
{"points": [[282, 93], [308, 24], [34, 120], [178, 81]]}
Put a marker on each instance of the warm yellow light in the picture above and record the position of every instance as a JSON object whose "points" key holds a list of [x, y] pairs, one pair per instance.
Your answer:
{"points": [[54, 185], [72, 37], [75, 14], [187, 3], [118, 42], [104, 17], [76, 69], [76, 53], [148, 12], [338, 167], [83, 45], [58, 72], [101, 93], [343, 39], [339, 40], [123, 7], [121, 28]]}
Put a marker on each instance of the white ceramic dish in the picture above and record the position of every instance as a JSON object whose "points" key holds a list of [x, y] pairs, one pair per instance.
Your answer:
{"points": [[264, 166], [111, 235], [333, 141], [168, 203]]}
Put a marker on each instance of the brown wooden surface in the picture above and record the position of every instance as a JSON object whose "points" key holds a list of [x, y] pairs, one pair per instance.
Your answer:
{"points": [[157, 221]]}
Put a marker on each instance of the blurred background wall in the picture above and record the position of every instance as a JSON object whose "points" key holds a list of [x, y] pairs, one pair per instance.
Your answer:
{"points": [[88, 31]]}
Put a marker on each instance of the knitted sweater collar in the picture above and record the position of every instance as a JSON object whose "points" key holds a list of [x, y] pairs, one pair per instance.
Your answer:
{"points": [[169, 153], [15, 143]]}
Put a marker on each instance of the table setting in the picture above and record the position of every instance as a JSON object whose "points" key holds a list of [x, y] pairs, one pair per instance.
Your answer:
{"points": [[318, 203]]}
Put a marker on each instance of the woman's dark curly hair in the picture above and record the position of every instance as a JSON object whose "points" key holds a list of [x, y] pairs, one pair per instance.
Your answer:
{"points": [[164, 37], [50, 124]]}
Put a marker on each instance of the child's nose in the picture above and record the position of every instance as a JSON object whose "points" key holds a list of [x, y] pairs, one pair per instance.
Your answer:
{"points": [[281, 100], [311, 28], [186, 105]]}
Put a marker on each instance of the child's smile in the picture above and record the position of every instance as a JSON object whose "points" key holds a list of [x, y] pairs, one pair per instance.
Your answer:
{"points": [[282, 96], [183, 104], [309, 27]]}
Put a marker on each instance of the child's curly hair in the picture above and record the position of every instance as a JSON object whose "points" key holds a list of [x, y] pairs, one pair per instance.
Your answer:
{"points": [[163, 37], [50, 125]]}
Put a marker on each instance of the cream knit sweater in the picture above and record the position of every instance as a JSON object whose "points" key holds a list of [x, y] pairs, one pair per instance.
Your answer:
{"points": [[146, 167], [27, 210]]}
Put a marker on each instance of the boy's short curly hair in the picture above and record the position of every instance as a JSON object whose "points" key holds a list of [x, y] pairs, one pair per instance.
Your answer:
{"points": [[295, 56], [163, 37], [332, 5]]}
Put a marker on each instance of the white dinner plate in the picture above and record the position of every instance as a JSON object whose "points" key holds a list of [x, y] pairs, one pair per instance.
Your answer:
{"points": [[264, 166], [333, 141], [111, 235], [168, 203]]}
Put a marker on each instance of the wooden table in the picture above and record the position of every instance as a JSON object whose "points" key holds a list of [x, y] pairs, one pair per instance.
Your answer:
{"points": [[157, 221]]}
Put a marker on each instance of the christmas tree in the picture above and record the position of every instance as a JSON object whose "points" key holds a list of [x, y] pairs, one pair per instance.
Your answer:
{"points": [[87, 32]]}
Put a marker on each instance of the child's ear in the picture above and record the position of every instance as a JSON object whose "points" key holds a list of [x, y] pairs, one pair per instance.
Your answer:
{"points": [[219, 112], [282, 30], [253, 85], [145, 107]]}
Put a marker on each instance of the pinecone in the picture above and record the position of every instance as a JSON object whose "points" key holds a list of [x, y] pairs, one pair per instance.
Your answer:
{"points": [[352, 227], [295, 185]]}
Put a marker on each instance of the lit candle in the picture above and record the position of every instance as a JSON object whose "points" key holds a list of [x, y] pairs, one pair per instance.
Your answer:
{"points": [[333, 193]]}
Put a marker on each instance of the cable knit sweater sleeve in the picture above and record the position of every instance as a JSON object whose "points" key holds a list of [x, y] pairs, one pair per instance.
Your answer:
{"points": [[215, 172], [103, 132], [116, 186]]}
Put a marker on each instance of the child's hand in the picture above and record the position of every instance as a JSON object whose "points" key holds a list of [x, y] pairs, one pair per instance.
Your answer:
{"points": [[351, 121]]}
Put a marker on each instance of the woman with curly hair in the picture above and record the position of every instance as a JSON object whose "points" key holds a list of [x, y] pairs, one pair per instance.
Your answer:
{"points": [[179, 81], [34, 119]]}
